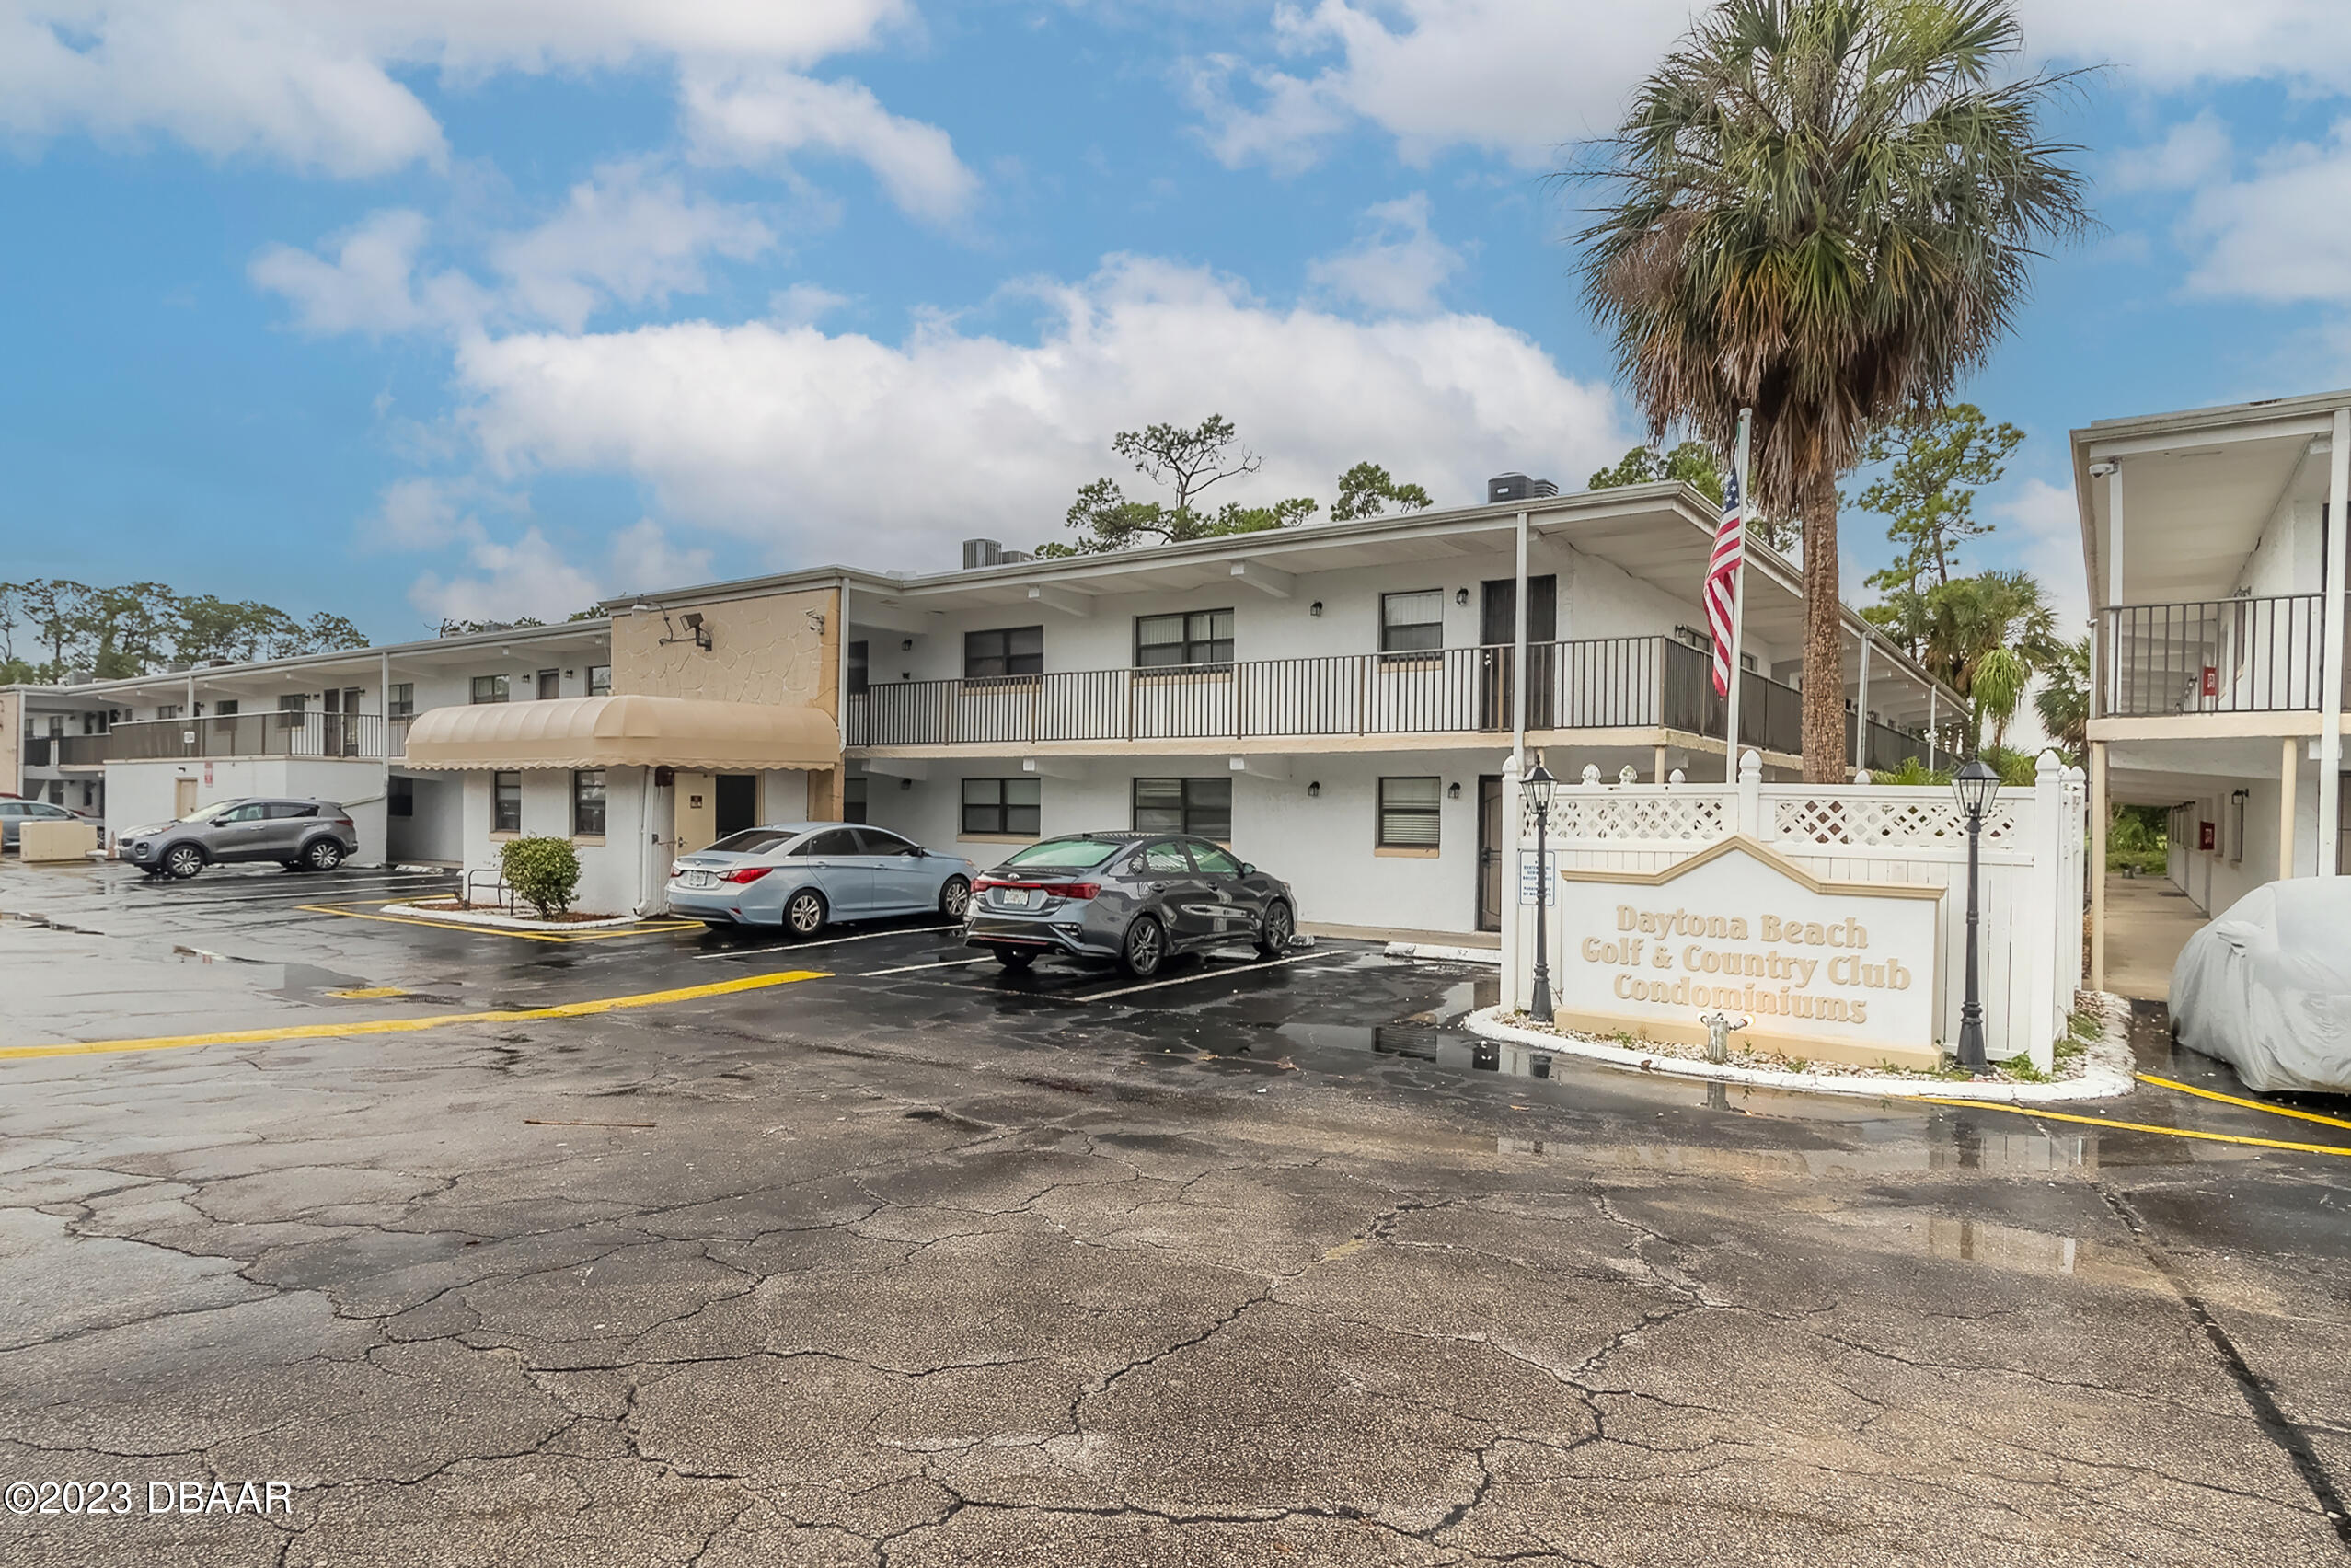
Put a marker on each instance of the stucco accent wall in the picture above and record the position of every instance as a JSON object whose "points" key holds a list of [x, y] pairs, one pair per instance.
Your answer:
{"points": [[12, 741], [765, 648]]}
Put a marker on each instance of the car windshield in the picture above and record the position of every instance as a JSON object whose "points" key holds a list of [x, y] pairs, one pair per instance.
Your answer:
{"points": [[750, 841], [1064, 855], [206, 814]]}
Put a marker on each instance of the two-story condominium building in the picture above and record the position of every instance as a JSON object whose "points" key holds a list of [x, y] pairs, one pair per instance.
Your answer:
{"points": [[2214, 544], [1338, 701]]}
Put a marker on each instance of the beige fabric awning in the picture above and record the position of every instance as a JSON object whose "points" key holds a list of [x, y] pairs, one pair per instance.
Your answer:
{"points": [[622, 732]]}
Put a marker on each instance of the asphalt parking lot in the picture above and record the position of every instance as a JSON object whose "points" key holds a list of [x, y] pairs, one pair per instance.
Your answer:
{"points": [[656, 1246]]}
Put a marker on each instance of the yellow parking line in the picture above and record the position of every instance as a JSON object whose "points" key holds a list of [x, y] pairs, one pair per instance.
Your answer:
{"points": [[413, 1025], [2248, 1104], [2111, 1123], [641, 928]]}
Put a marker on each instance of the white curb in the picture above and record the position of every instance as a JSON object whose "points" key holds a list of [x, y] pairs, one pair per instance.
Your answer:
{"points": [[2109, 1075], [1447, 954], [505, 922]]}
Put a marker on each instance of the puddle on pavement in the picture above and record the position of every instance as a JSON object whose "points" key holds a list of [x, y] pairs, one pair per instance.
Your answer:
{"points": [[2011, 1248], [296, 982]]}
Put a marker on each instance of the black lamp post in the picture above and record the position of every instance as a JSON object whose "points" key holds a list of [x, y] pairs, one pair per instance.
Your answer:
{"points": [[1975, 786], [1540, 787]]}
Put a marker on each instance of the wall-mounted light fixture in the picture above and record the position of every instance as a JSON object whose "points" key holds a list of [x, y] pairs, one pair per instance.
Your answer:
{"points": [[1453, 791], [906, 646], [1461, 595], [1315, 609], [695, 632], [816, 621], [1314, 788], [905, 783]]}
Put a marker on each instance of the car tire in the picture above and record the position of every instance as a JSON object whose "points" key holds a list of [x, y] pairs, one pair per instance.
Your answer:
{"points": [[322, 855], [1273, 933], [183, 860], [804, 913], [1014, 959], [1144, 948], [955, 897]]}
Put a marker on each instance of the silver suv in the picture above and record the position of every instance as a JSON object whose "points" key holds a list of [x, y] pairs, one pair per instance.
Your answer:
{"points": [[304, 835]]}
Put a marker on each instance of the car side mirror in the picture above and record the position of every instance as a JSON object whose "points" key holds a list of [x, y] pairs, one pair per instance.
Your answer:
{"points": [[1247, 870]]}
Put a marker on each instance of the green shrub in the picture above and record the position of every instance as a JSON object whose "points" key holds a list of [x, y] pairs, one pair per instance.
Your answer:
{"points": [[544, 874]]}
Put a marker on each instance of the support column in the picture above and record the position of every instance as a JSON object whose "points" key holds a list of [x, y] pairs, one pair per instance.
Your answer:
{"points": [[1659, 775], [2338, 493], [2098, 810], [1861, 708], [2290, 769], [2113, 580]]}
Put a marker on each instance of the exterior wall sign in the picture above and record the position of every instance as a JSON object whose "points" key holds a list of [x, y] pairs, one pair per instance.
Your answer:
{"points": [[1836, 971], [1529, 880]]}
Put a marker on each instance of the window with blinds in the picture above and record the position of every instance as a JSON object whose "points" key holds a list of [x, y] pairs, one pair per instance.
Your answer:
{"points": [[1409, 810]]}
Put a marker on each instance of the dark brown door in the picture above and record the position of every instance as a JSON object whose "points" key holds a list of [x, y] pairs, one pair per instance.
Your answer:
{"points": [[1490, 852], [1498, 636], [737, 807]]}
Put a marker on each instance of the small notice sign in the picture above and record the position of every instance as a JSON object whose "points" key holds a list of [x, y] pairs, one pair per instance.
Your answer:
{"points": [[1530, 879]]}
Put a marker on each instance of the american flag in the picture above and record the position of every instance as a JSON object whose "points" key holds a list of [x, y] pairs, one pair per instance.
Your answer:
{"points": [[1722, 577]]}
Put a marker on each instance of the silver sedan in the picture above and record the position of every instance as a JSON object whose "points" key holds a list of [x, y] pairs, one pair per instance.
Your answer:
{"points": [[800, 875]]}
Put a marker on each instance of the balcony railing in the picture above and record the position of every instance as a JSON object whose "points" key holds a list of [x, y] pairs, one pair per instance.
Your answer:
{"points": [[1603, 683], [2219, 656], [361, 736]]}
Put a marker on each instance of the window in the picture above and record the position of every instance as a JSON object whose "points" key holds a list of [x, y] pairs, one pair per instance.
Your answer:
{"points": [[1008, 807], [399, 796], [1014, 650], [252, 810], [57, 792], [858, 666], [225, 708], [853, 797], [877, 842], [404, 700], [1408, 812], [1162, 859], [489, 688], [1065, 854], [834, 841], [1213, 861], [550, 684], [1201, 807], [587, 802], [89, 798], [505, 802], [752, 841], [599, 680], [290, 710], [286, 811], [1411, 623], [1198, 637]]}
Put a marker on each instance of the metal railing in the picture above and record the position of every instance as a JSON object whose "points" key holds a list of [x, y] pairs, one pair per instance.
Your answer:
{"points": [[1600, 683], [2217, 656], [359, 735], [36, 750], [1886, 748]]}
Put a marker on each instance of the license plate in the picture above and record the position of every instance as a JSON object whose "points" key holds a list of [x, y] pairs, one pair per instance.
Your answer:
{"points": [[699, 879], [1018, 897]]}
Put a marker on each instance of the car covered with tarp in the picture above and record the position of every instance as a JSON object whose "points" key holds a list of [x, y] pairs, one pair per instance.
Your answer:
{"points": [[2266, 988]]}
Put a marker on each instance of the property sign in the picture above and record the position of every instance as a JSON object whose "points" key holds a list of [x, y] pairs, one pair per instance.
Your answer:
{"points": [[1531, 880], [1840, 970]]}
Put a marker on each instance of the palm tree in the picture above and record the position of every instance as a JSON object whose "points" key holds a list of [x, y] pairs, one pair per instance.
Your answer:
{"points": [[1823, 210], [2063, 701], [1988, 636]]}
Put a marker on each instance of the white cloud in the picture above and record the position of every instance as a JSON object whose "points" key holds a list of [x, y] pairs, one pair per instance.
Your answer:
{"points": [[2282, 236], [803, 305], [831, 447], [628, 234], [1521, 77], [532, 576], [370, 285], [1397, 265], [312, 83], [2051, 547], [757, 116], [2191, 153]]}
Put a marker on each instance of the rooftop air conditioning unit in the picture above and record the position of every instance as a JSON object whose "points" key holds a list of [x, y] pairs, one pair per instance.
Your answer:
{"points": [[978, 553], [1517, 487]]}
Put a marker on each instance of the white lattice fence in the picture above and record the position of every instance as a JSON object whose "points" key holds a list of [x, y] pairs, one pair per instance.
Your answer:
{"points": [[2032, 865]]}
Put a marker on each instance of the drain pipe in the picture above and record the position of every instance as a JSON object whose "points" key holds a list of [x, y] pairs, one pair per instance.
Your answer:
{"points": [[644, 788]]}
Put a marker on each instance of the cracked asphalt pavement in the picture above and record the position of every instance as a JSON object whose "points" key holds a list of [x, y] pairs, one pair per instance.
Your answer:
{"points": [[918, 1263]]}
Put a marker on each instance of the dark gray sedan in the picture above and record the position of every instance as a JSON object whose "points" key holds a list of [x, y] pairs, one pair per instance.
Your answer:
{"points": [[304, 836], [1133, 898]]}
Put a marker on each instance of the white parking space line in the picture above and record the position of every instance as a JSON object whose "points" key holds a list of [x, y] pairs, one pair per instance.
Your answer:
{"points": [[1206, 974], [829, 941], [910, 968]]}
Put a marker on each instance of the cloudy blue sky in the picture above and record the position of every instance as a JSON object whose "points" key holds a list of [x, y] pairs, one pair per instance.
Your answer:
{"points": [[410, 308]]}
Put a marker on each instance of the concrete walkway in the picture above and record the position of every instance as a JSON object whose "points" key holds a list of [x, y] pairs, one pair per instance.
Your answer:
{"points": [[2148, 920]]}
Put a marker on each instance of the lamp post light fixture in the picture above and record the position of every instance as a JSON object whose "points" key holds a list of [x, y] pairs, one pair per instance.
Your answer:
{"points": [[1540, 787], [1976, 786]]}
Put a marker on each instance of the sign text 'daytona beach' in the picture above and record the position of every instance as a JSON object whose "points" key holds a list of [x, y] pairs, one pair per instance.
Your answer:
{"points": [[1841, 971]]}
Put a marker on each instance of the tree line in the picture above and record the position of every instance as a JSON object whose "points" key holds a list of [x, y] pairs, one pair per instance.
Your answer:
{"points": [[51, 627]]}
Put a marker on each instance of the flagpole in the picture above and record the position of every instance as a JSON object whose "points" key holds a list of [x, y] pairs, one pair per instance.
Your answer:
{"points": [[1738, 603]]}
